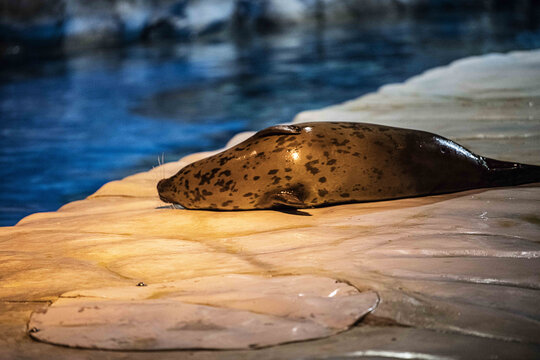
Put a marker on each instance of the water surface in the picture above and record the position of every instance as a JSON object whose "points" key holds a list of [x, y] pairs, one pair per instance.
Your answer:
{"points": [[70, 124]]}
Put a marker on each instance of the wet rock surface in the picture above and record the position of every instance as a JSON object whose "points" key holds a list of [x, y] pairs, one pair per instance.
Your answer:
{"points": [[219, 312], [454, 273]]}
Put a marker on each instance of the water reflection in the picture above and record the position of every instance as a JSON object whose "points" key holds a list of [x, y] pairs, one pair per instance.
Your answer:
{"points": [[70, 124]]}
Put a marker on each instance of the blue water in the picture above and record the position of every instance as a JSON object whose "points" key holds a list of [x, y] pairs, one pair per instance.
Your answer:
{"points": [[70, 124]]}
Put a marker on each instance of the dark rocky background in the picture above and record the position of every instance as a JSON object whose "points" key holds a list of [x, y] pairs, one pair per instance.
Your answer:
{"points": [[40, 27]]}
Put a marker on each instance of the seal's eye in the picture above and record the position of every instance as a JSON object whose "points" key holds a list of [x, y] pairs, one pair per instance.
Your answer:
{"points": [[279, 130]]}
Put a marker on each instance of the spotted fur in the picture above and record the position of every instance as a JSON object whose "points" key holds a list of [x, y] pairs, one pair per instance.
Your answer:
{"points": [[322, 163]]}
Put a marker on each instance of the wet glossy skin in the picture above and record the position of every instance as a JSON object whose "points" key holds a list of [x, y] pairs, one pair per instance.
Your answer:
{"points": [[322, 163]]}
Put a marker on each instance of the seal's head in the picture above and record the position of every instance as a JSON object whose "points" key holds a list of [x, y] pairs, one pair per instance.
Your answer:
{"points": [[261, 172], [166, 191]]}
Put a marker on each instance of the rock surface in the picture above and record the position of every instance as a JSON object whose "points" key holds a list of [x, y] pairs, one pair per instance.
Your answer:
{"points": [[218, 312], [454, 273], [489, 104]]}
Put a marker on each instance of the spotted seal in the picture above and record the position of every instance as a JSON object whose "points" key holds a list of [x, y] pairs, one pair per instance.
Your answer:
{"points": [[322, 163]]}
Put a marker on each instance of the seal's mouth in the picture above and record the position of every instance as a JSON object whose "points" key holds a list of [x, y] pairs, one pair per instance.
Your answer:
{"points": [[164, 199]]}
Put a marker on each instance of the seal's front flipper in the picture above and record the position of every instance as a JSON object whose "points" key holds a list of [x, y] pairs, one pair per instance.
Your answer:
{"points": [[279, 130], [287, 198]]}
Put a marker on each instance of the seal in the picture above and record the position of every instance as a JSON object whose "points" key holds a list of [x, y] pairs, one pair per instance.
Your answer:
{"points": [[323, 163]]}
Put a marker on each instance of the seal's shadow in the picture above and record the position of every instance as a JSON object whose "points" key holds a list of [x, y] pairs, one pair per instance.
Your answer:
{"points": [[292, 211], [171, 207]]}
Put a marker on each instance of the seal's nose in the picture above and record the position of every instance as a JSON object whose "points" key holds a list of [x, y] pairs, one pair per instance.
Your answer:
{"points": [[163, 188]]}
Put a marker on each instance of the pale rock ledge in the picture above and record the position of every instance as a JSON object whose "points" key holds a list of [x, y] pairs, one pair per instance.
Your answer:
{"points": [[443, 276]]}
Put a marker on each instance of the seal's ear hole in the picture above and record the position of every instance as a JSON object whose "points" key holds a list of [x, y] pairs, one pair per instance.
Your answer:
{"points": [[279, 130]]}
